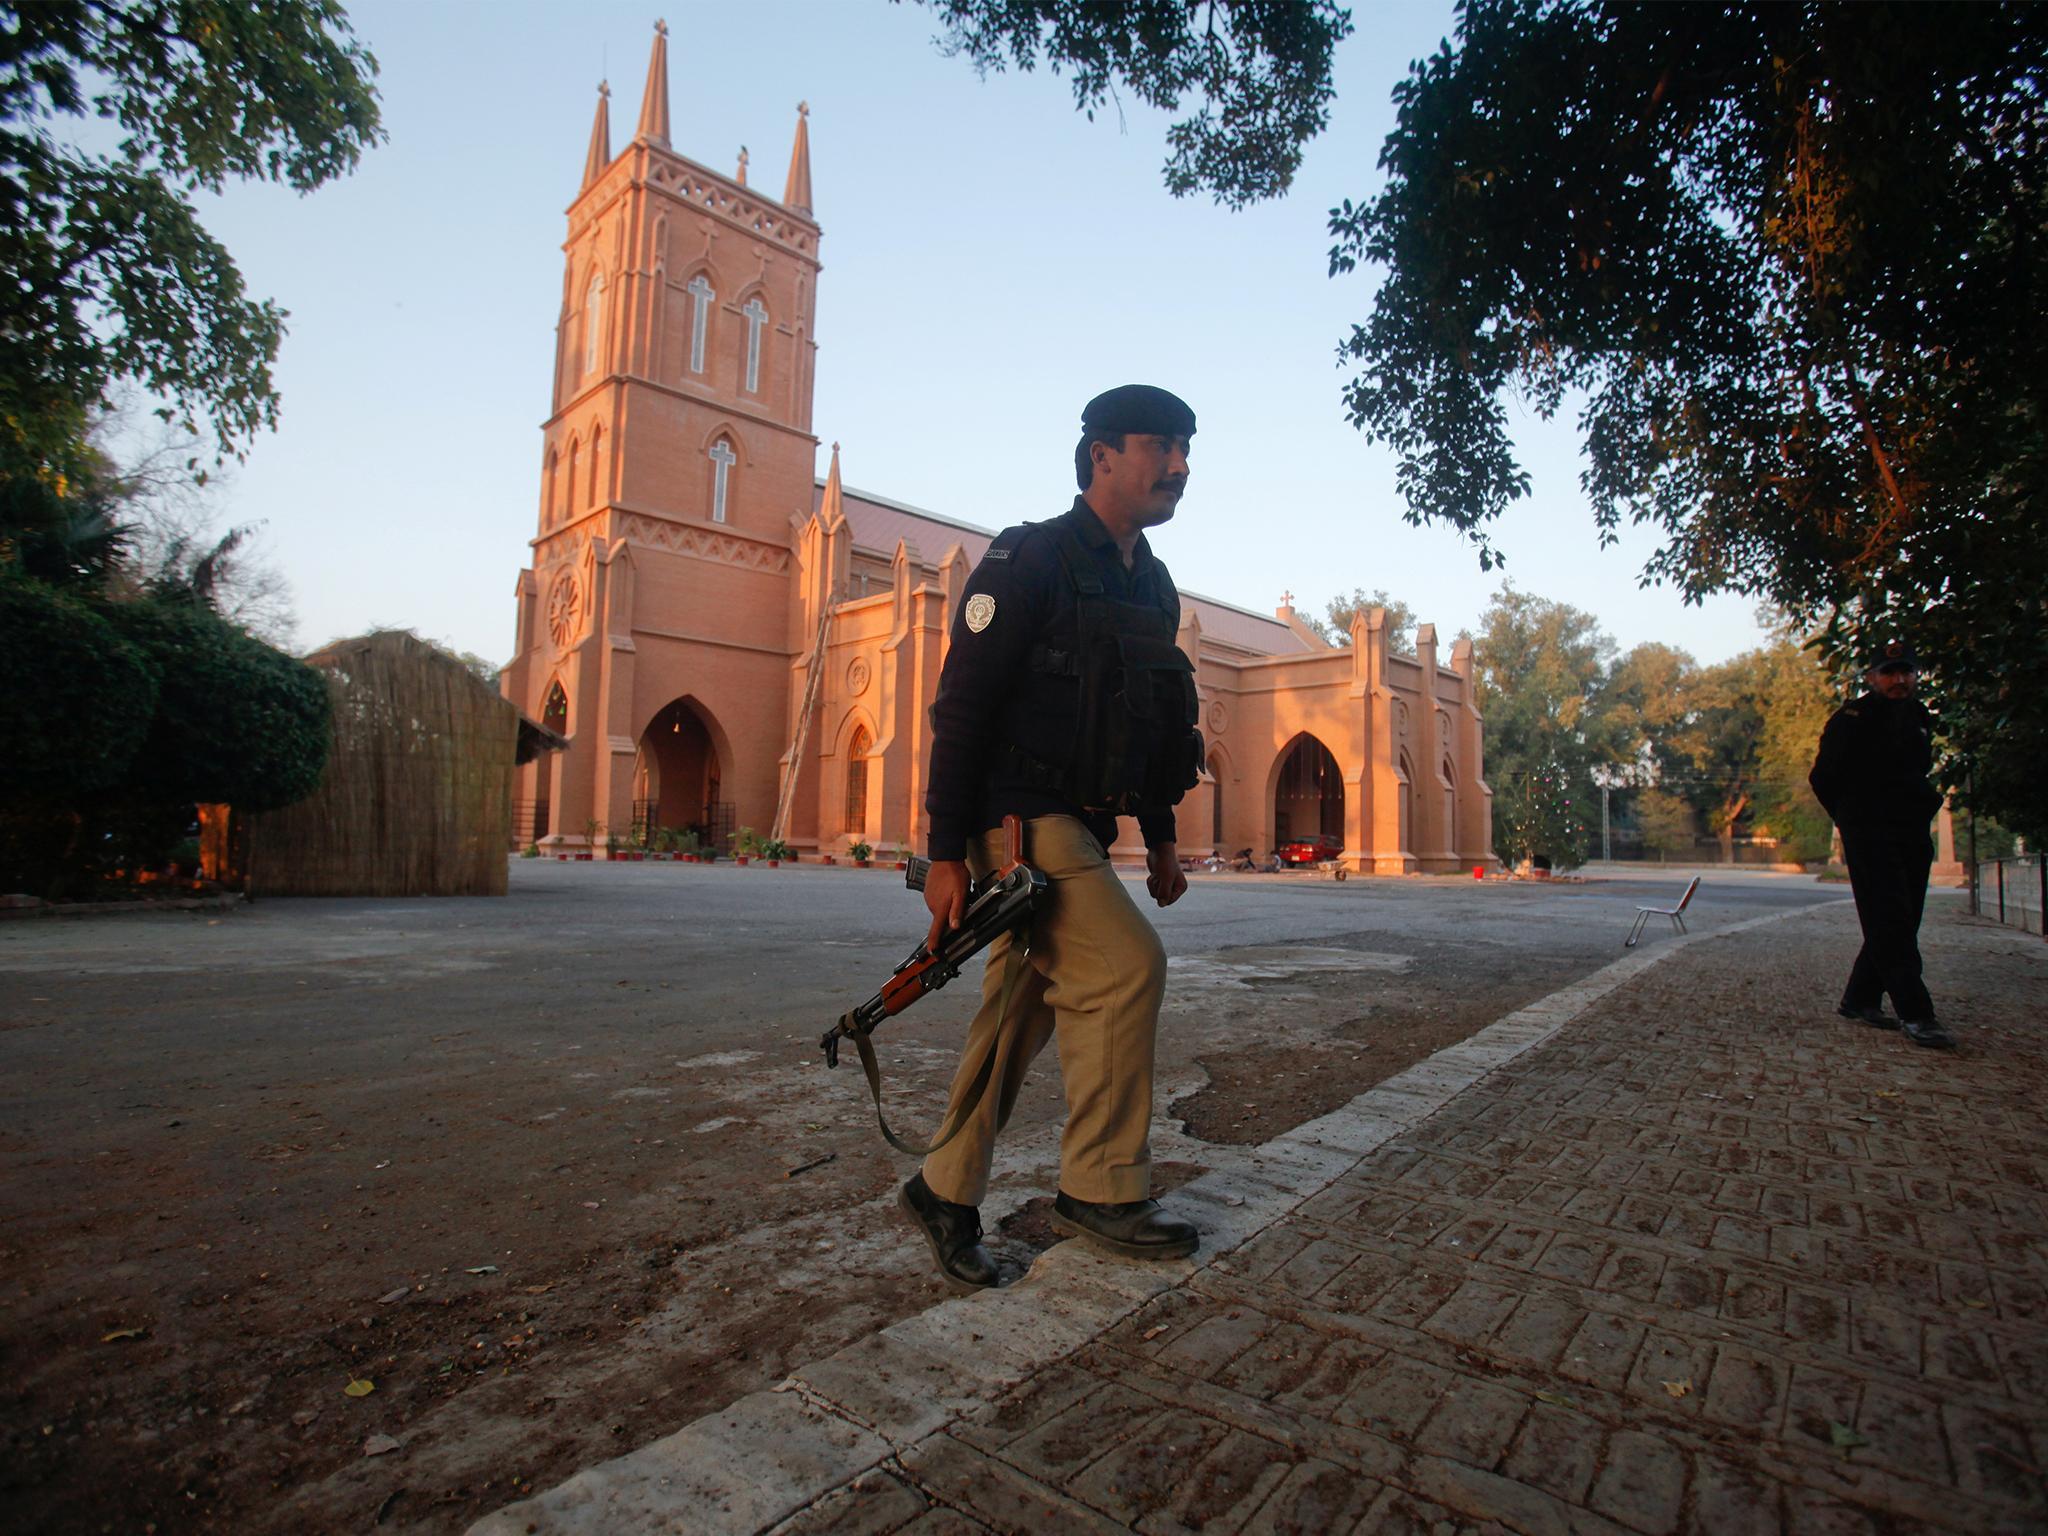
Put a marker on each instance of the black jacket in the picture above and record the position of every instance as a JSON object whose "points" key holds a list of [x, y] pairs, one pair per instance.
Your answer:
{"points": [[986, 667], [1875, 754]]}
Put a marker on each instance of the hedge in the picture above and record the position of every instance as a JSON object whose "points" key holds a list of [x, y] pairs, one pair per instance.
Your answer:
{"points": [[76, 699], [236, 721]]}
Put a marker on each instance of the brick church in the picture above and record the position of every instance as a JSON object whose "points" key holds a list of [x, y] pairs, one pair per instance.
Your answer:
{"points": [[728, 639]]}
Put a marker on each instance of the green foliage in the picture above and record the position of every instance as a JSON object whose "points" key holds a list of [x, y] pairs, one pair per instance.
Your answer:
{"points": [[860, 852], [235, 720], [1667, 823], [1335, 625], [65, 533], [111, 275], [776, 848], [78, 698], [1261, 73], [746, 842], [1777, 258], [1540, 813], [1540, 670], [1795, 698]]}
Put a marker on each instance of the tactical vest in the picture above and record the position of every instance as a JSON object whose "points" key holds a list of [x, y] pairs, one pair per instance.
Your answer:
{"points": [[1105, 715]]}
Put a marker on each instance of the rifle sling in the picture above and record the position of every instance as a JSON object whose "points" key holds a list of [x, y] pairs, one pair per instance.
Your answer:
{"points": [[1012, 969]]}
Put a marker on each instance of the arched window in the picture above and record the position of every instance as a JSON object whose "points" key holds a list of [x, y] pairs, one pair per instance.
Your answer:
{"points": [[722, 461], [857, 782], [593, 321], [757, 317], [569, 485], [1407, 804], [555, 713], [701, 295], [548, 509], [596, 462]]}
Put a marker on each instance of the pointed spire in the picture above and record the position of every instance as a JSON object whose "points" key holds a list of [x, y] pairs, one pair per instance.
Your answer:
{"points": [[600, 154], [797, 194], [741, 175], [832, 506], [654, 100]]}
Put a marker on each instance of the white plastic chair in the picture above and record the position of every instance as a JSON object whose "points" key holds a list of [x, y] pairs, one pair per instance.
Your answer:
{"points": [[1676, 914]]}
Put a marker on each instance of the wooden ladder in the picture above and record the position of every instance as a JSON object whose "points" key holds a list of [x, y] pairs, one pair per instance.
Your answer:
{"points": [[786, 801]]}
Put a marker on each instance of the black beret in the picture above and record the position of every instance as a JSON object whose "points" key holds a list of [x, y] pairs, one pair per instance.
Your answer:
{"points": [[1138, 408], [1898, 654]]}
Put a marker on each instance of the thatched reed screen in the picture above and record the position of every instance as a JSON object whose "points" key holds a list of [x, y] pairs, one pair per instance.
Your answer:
{"points": [[417, 797]]}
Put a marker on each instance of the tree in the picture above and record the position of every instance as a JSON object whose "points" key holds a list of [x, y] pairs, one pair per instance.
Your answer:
{"points": [[110, 275], [1335, 627], [1541, 668], [1784, 261], [1260, 71], [168, 505], [1795, 696]]}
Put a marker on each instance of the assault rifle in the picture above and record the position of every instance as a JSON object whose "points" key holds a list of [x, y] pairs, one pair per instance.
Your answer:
{"points": [[997, 904]]}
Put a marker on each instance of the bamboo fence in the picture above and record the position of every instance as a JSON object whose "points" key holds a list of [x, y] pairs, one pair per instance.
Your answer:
{"points": [[417, 796]]}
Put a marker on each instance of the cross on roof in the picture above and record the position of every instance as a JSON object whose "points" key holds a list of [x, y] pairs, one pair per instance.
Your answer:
{"points": [[1287, 599]]}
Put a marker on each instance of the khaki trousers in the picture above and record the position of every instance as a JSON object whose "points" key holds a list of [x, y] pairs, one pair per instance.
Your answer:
{"points": [[1094, 978]]}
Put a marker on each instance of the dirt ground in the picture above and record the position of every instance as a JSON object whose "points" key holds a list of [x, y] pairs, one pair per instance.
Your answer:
{"points": [[272, 1282]]}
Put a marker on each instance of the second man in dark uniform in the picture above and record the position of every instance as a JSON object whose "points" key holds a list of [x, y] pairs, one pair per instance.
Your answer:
{"points": [[1871, 777]]}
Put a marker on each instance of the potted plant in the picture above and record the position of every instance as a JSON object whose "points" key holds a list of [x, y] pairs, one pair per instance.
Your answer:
{"points": [[775, 850], [901, 855], [862, 855], [746, 843], [687, 845], [592, 831], [530, 851]]}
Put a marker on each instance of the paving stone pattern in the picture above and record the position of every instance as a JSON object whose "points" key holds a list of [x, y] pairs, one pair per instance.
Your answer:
{"points": [[1707, 1259]]}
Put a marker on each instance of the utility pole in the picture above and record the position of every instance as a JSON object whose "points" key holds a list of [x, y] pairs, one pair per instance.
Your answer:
{"points": [[1606, 848]]}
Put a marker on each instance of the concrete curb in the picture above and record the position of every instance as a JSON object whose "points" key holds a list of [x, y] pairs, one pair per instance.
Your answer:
{"points": [[769, 1455]]}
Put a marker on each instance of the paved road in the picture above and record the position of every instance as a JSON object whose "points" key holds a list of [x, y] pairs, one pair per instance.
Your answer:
{"points": [[1676, 1249], [250, 1130]]}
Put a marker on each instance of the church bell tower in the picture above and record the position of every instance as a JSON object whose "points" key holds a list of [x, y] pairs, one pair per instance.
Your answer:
{"points": [[653, 620]]}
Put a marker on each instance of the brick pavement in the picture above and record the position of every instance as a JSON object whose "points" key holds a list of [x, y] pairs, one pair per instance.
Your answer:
{"points": [[1677, 1250]]}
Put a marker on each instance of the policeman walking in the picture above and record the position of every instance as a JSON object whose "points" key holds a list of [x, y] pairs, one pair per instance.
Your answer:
{"points": [[1064, 700], [1871, 777]]}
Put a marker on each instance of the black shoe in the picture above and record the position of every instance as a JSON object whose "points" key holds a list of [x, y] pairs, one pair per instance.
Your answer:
{"points": [[954, 1233], [1928, 1032], [1876, 1018], [1137, 1229]]}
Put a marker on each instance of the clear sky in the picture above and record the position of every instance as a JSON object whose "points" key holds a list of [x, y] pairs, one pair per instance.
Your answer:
{"points": [[992, 259]]}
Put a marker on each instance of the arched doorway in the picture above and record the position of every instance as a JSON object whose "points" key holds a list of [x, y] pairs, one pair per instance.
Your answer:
{"points": [[1308, 793], [554, 714], [679, 762]]}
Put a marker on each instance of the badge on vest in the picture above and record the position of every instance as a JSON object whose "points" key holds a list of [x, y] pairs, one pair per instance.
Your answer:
{"points": [[980, 612]]}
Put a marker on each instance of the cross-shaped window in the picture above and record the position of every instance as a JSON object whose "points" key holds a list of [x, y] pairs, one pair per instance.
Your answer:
{"points": [[700, 314], [756, 317], [722, 461]]}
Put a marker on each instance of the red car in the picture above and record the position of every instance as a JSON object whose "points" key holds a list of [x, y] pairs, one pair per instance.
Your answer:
{"points": [[1310, 850]]}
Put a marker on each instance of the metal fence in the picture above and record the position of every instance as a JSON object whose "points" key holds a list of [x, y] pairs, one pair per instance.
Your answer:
{"points": [[2013, 891]]}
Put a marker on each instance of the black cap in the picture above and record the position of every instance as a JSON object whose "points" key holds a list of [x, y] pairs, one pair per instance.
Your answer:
{"points": [[1138, 408], [1897, 656]]}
